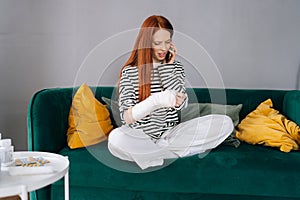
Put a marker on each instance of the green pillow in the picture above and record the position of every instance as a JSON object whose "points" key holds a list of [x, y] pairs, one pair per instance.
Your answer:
{"points": [[114, 111], [194, 110]]}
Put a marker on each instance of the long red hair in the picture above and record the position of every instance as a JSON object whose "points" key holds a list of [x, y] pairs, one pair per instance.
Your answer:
{"points": [[141, 55]]}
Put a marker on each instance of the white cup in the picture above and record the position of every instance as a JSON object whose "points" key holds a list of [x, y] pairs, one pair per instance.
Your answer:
{"points": [[5, 143], [6, 151]]}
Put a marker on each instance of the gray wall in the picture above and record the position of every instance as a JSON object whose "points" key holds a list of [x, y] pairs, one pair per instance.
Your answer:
{"points": [[63, 43]]}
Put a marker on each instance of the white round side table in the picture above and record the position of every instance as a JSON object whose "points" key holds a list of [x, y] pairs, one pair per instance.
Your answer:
{"points": [[22, 182]]}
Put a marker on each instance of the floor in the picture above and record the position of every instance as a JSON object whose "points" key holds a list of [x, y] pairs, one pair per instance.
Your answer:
{"points": [[11, 198]]}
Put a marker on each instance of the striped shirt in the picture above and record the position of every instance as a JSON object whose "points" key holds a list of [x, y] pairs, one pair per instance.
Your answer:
{"points": [[165, 76]]}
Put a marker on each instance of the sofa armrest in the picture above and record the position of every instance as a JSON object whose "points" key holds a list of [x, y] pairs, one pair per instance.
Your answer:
{"points": [[47, 119], [291, 106]]}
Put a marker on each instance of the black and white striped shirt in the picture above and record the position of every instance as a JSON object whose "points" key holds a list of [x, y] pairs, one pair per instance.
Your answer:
{"points": [[165, 76]]}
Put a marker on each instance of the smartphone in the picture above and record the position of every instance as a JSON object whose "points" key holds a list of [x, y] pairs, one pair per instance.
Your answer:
{"points": [[168, 56]]}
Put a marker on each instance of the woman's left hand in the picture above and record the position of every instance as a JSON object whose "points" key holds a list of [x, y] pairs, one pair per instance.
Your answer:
{"points": [[180, 97], [128, 118]]}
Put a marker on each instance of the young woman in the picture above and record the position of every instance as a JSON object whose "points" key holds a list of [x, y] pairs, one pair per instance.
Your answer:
{"points": [[151, 91]]}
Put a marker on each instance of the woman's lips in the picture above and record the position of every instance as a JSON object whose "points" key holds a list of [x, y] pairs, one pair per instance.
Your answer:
{"points": [[162, 55]]}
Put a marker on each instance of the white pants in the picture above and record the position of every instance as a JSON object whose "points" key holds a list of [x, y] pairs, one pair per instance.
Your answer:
{"points": [[188, 138]]}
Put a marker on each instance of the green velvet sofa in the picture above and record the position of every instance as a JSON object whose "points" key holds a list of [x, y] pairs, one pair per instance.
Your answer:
{"points": [[246, 172]]}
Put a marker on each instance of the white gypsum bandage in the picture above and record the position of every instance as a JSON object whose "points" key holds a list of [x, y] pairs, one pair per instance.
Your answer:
{"points": [[157, 100]]}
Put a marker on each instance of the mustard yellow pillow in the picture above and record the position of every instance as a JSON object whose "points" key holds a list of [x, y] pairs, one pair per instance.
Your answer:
{"points": [[89, 121], [266, 126]]}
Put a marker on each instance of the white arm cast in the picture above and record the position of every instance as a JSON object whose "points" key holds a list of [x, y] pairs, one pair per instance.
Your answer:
{"points": [[157, 100]]}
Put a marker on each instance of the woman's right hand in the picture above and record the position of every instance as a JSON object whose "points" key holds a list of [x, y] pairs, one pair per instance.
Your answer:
{"points": [[173, 51]]}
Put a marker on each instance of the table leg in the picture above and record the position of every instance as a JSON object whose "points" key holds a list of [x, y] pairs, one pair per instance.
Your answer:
{"points": [[67, 186], [23, 195]]}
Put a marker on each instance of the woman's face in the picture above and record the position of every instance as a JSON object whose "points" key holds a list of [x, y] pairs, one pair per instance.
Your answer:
{"points": [[161, 42]]}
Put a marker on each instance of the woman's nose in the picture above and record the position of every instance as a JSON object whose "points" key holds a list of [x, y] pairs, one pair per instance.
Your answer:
{"points": [[164, 46]]}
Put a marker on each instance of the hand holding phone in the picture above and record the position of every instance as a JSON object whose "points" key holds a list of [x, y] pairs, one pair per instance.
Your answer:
{"points": [[172, 52]]}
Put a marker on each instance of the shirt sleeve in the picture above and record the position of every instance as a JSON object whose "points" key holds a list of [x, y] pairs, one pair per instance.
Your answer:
{"points": [[127, 95], [173, 78]]}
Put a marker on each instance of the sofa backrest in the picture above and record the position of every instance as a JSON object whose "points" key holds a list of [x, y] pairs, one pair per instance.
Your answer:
{"points": [[250, 98], [49, 109]]}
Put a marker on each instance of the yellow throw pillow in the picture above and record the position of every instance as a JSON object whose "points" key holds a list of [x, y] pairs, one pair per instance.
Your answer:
{"points": [[89, 121], [266, 126]]}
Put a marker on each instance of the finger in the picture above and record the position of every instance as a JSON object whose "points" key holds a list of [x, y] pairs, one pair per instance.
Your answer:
{"points": [[128, 118], [181, 95], [174, 48], [179, 101], [173, 53], [172, 56]]}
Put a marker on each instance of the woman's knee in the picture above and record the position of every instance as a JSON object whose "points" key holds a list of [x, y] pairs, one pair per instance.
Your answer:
{"points": [[114, 137], [222, 118], [223, 121], [227, 123]]}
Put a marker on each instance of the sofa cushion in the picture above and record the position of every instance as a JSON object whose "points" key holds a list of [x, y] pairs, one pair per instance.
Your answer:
{"points": [[223, 169], [89, 121], [114, 111], [82, 193], [194, 110], [266, 126]]}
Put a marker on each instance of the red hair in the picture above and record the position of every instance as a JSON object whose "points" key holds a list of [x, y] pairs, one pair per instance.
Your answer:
{"points": [[141, 55]]}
